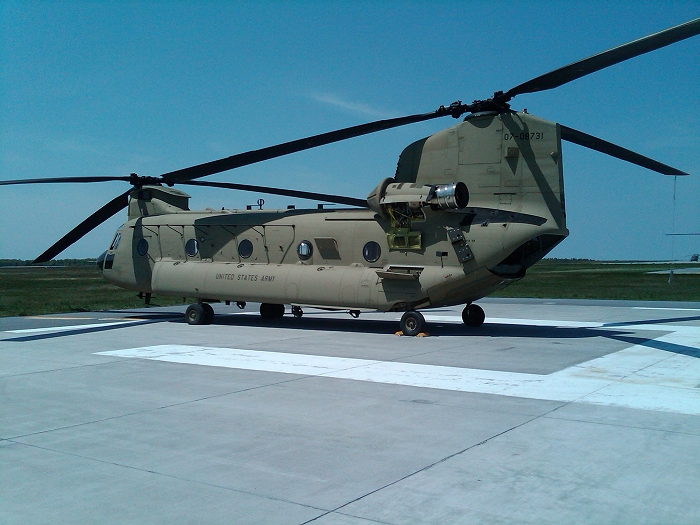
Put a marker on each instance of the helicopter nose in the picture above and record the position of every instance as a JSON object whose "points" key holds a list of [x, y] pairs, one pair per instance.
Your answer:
{"points": [[101, 261]]}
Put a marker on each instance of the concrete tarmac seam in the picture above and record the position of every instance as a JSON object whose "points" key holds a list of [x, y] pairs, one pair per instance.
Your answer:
{"points": [[163, 407], [435, 463], [171, 476]]}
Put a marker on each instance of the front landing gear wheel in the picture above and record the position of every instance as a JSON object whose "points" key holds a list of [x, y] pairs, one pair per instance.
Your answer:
{"points": [[208, 313], [195, 314], [297, 311], [412, 323], [473, 315]]}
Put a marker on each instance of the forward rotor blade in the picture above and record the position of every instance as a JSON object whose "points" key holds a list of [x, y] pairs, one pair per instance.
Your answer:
{"points": [[338, 199], [251, 157], [50, 180], [589, 65], [93, 221], [589, 141]]}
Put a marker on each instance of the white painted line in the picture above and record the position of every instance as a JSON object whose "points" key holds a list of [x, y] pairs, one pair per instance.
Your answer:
{"points": [[52, 318], [636, 377], [66, 328], [670, 309], [570, 324], [519, 322]]}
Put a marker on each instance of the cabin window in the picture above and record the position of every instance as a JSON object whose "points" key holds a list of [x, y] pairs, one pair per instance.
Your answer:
{"points": [[142, 247], [305, 250], [245, 248], [115, 241], [191, 247], [372, 252]]}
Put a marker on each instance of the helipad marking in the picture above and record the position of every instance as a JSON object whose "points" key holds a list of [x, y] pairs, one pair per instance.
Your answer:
{"points": [[637, 377], [667, 308], [66, 328], [521, 322], [571, 324], [54, 318]]}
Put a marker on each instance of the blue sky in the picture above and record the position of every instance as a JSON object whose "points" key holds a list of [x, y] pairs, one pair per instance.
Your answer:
{"points": [[110, 88]]}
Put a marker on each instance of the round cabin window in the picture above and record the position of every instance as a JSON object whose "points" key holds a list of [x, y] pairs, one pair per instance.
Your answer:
{"points": [[142, 247], [245, 248], [372, 252], [305, 250], [191, 247]]}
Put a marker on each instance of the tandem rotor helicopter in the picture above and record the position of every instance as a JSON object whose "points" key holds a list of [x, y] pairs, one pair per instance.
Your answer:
{"points": [[467, 212]]}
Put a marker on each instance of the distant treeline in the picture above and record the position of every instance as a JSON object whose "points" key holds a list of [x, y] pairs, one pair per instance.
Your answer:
{"points": [[60, 262], [92, 262]]}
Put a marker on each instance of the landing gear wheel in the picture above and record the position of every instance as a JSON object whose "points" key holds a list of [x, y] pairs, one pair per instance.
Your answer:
{"points": [[354, 313], [412, 323], [195, 314], [271, 311], [297, 311], [473, 315], [208, 313]]}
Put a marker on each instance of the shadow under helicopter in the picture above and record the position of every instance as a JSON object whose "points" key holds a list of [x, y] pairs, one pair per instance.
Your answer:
{"points": [[309, 322]]}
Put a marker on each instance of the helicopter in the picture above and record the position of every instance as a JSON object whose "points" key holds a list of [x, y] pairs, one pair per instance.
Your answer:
{"points": [[467, 212]]}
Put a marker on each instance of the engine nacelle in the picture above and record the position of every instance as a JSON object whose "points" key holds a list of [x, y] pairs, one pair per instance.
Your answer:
{"points": [[453, 196], [450, 196]]}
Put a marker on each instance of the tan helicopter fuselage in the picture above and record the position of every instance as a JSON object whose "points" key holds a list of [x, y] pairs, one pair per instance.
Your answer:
{"points": [[426, 255]]}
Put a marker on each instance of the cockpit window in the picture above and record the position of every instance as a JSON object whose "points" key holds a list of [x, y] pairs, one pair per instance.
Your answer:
{"points": [[115, 241]]}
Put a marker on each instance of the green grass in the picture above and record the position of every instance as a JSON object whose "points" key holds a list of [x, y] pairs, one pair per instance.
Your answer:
{"points": [[38, 290], [28, 290], [555, 279]]}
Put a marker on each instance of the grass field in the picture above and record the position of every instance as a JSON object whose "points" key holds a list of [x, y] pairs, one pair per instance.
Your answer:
{"points": [[557, 279], [41, 290], [57, 289]]}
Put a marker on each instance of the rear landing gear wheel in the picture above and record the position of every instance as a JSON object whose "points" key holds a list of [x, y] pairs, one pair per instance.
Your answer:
{"points": [[271, 311], [473, 315], [412, 323], [195, 314]]}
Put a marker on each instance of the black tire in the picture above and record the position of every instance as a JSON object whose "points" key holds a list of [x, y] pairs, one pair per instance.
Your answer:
{"points": [[271, 311], [297, 311], [473, 315], [195, 314], [412, 323], [208, 313]]}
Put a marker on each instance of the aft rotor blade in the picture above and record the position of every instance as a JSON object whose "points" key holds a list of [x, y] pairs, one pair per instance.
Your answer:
{"points": [[337, 199], [93, 221], [258, 155], [589, 141], [49, 180], [589, 65]]}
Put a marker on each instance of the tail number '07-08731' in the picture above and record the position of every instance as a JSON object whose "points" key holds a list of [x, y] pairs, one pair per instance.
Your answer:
{"points": [[534, 135]]}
